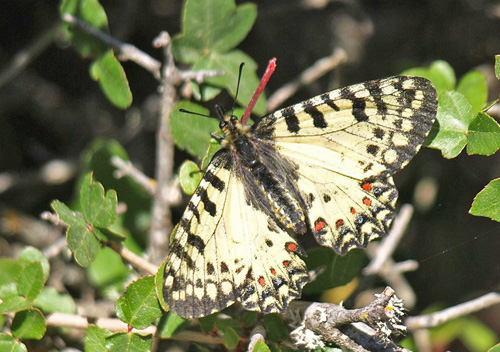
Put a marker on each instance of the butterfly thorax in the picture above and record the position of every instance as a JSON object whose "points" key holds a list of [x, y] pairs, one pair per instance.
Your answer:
{"points": [[269, 179]]}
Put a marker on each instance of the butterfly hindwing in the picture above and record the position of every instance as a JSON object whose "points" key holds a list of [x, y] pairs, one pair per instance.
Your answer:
{"points": [[226, 250], [346, 145]]}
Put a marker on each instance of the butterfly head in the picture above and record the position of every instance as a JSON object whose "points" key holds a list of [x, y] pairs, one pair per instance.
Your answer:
{"points": [[230, 127]]}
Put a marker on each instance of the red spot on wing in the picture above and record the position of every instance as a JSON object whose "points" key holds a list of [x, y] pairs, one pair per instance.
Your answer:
{"points": [[353, 211], [286, 263], [261, 281], [273, 271], [319, 226], [366, 186], [367, 201], [339, 223], [290, 246]]}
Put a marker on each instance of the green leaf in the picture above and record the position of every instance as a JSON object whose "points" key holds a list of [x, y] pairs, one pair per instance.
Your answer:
{"points": [[9, 273], [108, 269], [31, 281], [9, 343], [487, 202], [51, 301], [189, 176], [98, 209], [170, 324], [92, 13], [192, 132], [473, 86], [276, 329], [231, 338], [495, 348], [484, 135], [261, 346], [31, 254], [230, 64], [222, 323], [139, 306], [476, 336], [449, 132], [339, 269], [95, 339], [440, 73], [109, 72], [213, 148], [249, 318], [81, 241], [28, 324], [125, 342], [14, 304], [207, 323], [211, 26]]}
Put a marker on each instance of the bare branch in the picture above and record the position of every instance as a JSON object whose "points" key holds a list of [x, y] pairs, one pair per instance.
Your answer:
{"points": [[24, 57], [389, 244], [136, 261], [124, 51], [318, 69], [330, 322], [161, 225], [258, 334], [126, 168], [198, 76], [437, 318]]}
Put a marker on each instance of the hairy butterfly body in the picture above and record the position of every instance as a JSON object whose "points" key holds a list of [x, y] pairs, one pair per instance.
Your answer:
{"points": [[322, 166]]}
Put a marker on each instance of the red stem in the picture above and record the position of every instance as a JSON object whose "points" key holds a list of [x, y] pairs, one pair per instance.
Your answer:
{"points": [[271, 66]]}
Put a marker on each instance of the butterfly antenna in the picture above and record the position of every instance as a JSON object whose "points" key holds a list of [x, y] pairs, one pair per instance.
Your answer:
{"points": [[194, 113], [237, 86], [271, 66]]}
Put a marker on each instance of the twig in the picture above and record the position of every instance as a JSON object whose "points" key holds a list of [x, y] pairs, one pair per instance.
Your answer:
{"points": [[198, 76], [329, 321], [389, 244], [258, 334], [124, 51], [126, 168], [28, 54], [161, 223], [116, 325], [385, 267], [137, 261], [437, 318], [318, 69]]}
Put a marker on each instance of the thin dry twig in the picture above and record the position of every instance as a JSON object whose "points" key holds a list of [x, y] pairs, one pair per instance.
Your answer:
{"points": [[384, 266], [389, 244], [161, 225], [137, 261], [24, 57], [437, 318], [318, 69], [126, 168], [258, 334], [116, 325], [124, 51]]}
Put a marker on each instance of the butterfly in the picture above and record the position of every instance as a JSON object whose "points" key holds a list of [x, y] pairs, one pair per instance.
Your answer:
{"points": [[322, 166]]}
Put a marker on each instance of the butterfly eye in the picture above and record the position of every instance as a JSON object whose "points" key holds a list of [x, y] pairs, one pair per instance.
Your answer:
{"points": [[222, 125], [234, 119]]}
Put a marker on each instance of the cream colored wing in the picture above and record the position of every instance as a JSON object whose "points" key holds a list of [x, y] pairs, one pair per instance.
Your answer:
{"points": [[347, 143], [226, 251]]}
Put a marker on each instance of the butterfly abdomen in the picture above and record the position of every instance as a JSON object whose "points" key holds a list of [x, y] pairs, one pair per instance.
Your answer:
{"points": [[268, 186]]}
